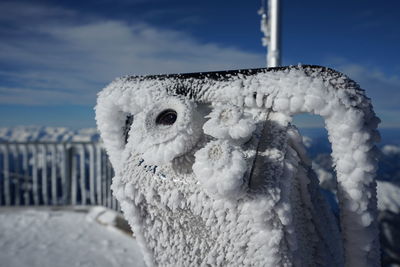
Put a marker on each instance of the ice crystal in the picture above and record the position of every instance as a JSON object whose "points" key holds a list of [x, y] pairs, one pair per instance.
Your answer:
{"points": [[219, 167], [229, 122]]}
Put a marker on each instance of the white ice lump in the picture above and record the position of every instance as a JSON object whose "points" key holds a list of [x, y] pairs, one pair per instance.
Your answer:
{"points": [[219, 167], [229, 122]]}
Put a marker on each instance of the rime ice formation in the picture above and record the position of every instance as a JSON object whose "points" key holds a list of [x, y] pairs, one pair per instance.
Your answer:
{"points": [[160, 143], [229, 122], [220, 167], [278, 216]]}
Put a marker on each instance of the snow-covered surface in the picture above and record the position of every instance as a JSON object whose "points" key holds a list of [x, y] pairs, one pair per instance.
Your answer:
{"points": [[46, 238], [229, 122], [47, 134], [351, 124], [160, 144], [220, 167]]}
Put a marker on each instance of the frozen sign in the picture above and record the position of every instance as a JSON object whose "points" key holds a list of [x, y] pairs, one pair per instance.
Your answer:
{"points": [[210, 170]]}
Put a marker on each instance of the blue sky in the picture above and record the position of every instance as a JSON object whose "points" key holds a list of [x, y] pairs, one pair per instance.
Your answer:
{"points": [[56, 55]]}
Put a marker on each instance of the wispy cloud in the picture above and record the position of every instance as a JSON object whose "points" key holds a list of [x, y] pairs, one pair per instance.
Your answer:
{"points": [[61, 59], [32, 97]]}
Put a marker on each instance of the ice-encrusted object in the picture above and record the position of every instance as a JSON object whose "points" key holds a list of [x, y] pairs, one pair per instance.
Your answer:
{"points": [[229, 122], [280, 218], [220, 167]]}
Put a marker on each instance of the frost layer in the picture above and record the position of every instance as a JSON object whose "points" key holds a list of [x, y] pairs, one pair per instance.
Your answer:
{"points": [[281, 220], [160, 143], [220, 168], [229, 122]]}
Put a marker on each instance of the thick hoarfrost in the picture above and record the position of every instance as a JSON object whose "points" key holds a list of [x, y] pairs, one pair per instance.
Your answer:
{"points": [[160, 143], [229, 122], [281, 219], [220, 167]]}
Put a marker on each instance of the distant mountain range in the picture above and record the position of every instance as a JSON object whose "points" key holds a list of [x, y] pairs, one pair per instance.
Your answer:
{"points": [[47, 134], [318, 147]]}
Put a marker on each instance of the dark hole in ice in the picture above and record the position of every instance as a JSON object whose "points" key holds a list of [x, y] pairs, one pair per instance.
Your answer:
{"points": [[167, 117], [127, 127]]}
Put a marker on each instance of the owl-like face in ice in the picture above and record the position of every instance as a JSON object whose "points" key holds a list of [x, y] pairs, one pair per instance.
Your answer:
{"points": [[215, 143]]}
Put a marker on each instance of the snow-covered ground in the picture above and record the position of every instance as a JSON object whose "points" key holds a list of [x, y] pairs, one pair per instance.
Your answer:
{"points": [[63, 238], [40, 237]]}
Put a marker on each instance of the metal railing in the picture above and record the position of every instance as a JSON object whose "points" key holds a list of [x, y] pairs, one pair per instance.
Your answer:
{"points": [[45, 173]]}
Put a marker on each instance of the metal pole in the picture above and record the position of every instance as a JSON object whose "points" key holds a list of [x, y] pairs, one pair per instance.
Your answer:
{"points": [[274, 57], [270, 26]]}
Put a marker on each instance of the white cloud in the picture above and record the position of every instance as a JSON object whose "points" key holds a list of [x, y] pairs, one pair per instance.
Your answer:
{"points": [[31, 97], [391, 150], [66, 62], [14, 11]]}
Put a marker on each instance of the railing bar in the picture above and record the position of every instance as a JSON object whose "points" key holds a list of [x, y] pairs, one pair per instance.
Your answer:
{"points": [[103, 181], [54, 174], [111, 177], [113, 201], [110, 198], [91, 174], [66, 173], [82, 174], [7, 196], [64, 190], [117, 206], [17, 171], [44, 176], [73, 177], [106, 184], [35, 186], [98, 174], [25, 167]]}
